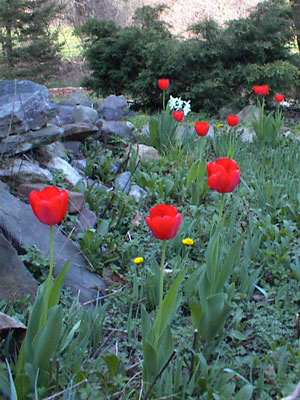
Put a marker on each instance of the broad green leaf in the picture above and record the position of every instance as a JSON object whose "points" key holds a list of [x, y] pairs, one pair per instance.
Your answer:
{"points": [[55, 290], [226, 269], [192, 174], [112, 363], [46, 341], [165, 347], [146, 324], [33, 328], [150, 361], [238, 335], [245, 393], [70, 336], [168, 306], [103, 227]]}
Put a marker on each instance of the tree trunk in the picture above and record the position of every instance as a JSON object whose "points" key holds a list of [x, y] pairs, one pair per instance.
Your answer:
{"points": [[295, 4]]}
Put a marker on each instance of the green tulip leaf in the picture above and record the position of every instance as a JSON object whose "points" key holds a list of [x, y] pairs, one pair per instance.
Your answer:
{"points": [[192, 174], [47, 339], [245, 393], [150, 362], [55, 290], [228, 265], [168, 307]]}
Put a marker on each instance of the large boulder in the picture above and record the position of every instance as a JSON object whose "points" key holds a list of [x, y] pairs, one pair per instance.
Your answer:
{"points": [[18, 222], [112, 107], [16, 282], [24, 106]]}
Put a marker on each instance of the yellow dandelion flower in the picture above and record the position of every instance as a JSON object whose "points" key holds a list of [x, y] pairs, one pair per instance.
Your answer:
{"points": [[138, 260], [188, 241]]}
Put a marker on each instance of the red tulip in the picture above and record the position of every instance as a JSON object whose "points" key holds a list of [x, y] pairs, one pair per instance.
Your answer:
{"points": [[164, 221], [201, 127], [279, 97], [262, 90], [163, 83], [178, 115], [232, 120], [223, 175], [49, 205]]}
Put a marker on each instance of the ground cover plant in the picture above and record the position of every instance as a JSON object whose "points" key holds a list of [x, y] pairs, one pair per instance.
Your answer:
{"points": [[203, 299]]}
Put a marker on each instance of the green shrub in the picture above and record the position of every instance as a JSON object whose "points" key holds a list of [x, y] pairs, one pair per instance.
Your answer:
{"points": [[219, 65]]}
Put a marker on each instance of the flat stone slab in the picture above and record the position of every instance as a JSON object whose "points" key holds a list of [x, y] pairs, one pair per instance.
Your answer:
{"points": [[15, 280], [18, 222]]}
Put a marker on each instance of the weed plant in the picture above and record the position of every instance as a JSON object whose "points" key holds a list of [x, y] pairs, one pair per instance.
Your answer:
{"points": [[254, 352]]}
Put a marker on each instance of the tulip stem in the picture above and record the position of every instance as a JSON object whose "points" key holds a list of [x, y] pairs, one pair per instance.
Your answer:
{"points": [[202, 143], [51, 264], [164, 100], [221, 208], [161, 277]]}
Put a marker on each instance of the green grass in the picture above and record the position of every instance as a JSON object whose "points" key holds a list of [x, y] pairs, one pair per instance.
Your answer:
{"points": [[72, 44], [255, 355]]}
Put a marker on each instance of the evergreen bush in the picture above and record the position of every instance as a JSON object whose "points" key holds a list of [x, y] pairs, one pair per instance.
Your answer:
{"points": [[217, 66], [29, 47]]}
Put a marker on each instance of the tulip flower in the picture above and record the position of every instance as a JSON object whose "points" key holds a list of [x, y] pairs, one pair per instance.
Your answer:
{"points": [[232, 120], [49, 205], [279, 97], [201, 128], [223, 174], [164, 221], [262, 90], [178, 115], [163, 83]]}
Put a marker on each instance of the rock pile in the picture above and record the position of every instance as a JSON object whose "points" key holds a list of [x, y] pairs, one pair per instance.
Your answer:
{"points": [[35, 133]]}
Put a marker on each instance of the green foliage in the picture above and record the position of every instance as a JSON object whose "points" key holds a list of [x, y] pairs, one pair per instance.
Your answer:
{"points": [[216, 67], [267, 127], [36, 262], [29, 48], [162, 131]]}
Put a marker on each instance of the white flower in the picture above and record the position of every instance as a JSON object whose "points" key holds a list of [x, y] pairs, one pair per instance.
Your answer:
{"points": [[186, 108], [175, 103]]}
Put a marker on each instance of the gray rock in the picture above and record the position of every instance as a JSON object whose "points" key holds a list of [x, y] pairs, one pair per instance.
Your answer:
{"points": [[226, 110], [73, 146], [15, 144], [48, 151], [18, 222], [70, 173], [22, 171], [16, 282], [24, 106], [247, 134], [79, 97], [87, 218], [120, 129], [112, 107], [246, 114], [181, 130], [79, 131], [144, 152], [85, 114], [65, 114], [79, 165], [137, 192], [123, 181]]}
